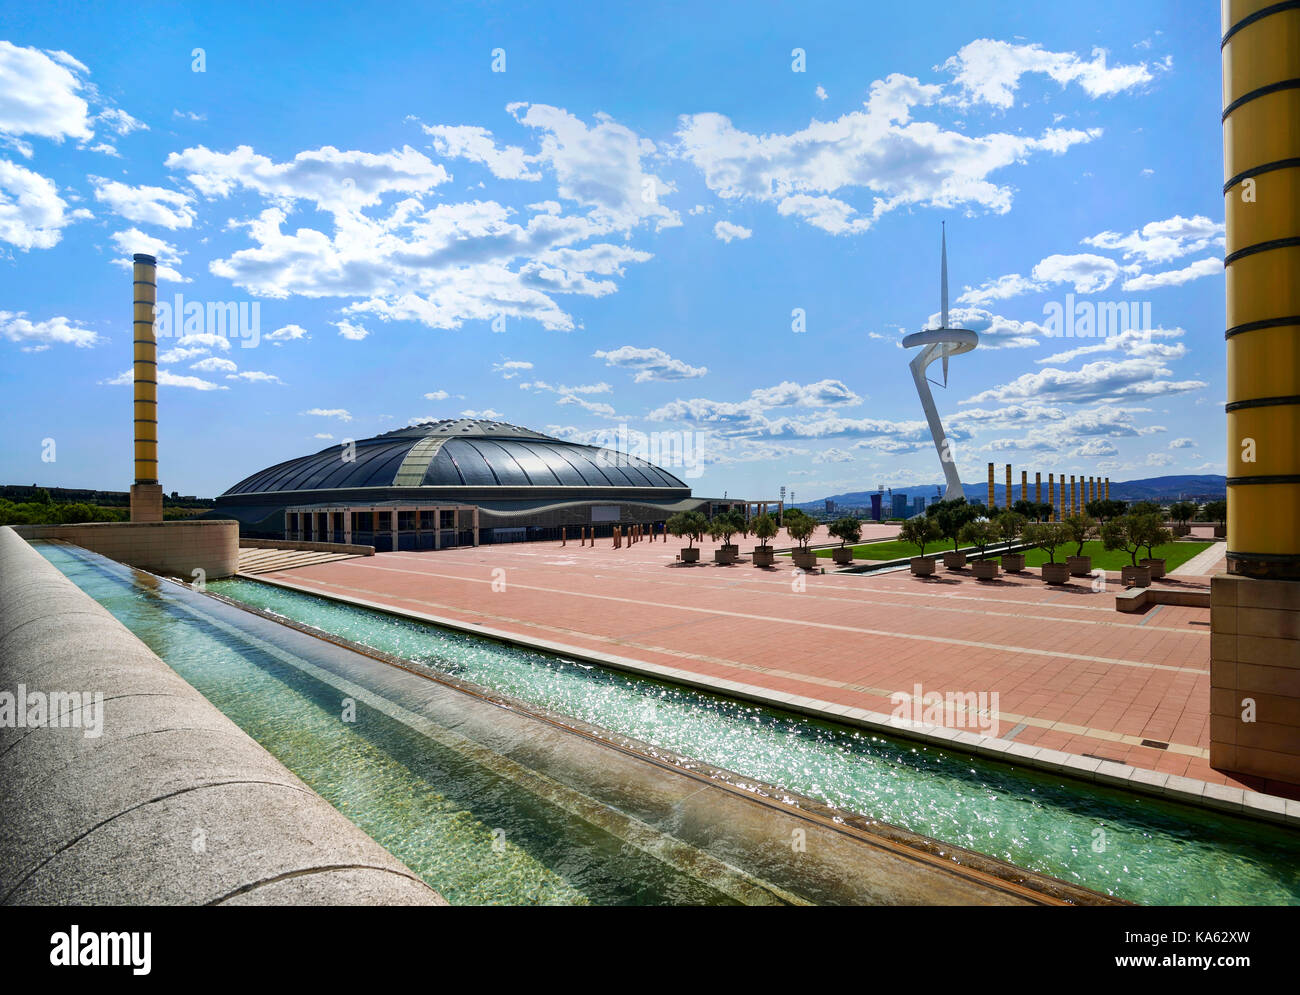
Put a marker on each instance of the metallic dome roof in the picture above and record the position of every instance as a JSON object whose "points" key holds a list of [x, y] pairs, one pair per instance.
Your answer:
{"points": [[459, 453]]}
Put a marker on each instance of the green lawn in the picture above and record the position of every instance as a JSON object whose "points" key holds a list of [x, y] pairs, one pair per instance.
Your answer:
{"points": [[891, 550], [1175, 553]]}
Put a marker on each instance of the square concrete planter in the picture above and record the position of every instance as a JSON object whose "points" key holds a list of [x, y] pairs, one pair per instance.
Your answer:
{"points": [[1181, 530], [1157, 566], [1221, 532], [954, 561], [725, 555], [1136, 576], [1056, 573], [1080, 566], [764, 556], [985, 569], [842, 556], [691, 555], [922, 566], [805, 561], [1013, 563]]}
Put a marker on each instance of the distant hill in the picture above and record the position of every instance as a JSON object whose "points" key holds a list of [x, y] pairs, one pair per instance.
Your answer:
{"points": [[1203, 487]]}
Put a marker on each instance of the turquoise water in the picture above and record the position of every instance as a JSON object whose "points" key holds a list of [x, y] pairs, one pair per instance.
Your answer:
{"points": [[1135, 847], [449, 814]]}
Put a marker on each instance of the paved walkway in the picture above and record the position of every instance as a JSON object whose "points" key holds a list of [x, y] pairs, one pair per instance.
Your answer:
{"points": [[1072, 674]]}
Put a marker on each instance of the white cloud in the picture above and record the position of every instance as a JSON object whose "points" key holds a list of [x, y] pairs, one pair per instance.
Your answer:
{"points": [[436, 395], [1177, 277], [40, 95], [1002, 288], [1147, 343], [898, 161], [821, 92], [1159, 459], [726, 231], [989, 71], [342, 414], [133, 240], [166, 378], [32, 214], [120, 121], [287, 333], [350, 331], [334, 180], [511, 368], [255, 376], [651, 364], [600, 167], [214, 364], [1088, 273], [37, 336], [477, 145], [1162, 241], [145, 204], [1183, 444], [1091, 382], [487, 414]]}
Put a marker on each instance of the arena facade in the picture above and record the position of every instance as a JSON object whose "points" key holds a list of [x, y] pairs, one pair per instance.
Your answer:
{"points": [[460, 482]]}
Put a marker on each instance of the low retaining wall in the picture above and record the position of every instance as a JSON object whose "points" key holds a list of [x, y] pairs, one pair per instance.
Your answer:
{"points": [[175, 549], [1137, 598], [316, 547], [171, 803]]}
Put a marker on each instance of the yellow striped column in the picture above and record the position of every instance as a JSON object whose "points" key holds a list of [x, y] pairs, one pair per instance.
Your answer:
{"points": [[1038, 487], [146, 493], [992, 496], [1255, 607], [1261, 153], [1024, 485], [1008, 485], [1051, 493]]}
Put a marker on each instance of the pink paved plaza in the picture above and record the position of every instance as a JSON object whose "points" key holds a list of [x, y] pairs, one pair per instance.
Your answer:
{"points": [[1071, 672]]}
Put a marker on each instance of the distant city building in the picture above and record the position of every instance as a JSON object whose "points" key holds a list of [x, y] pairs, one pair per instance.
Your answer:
{"points": [[918, 505], [900, 506], [830, 506]]}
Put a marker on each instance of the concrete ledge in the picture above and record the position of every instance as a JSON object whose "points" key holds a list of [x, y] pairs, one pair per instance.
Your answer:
{"points": [[317, 547], [1137, 598], [175, 549], [172, 803]]}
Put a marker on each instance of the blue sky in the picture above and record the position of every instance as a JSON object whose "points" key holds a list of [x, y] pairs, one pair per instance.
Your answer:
{"points": [[621, 229]]}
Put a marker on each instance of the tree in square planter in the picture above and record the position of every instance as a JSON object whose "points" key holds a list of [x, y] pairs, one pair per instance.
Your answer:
{"points": [[801, 527], [1181, 512], [764, 528], [688, 525], [920, 532], [1078, 530], [981, 533], [1049, 536], [1156, 535], [1129, 533], [1010, 525], [950, 516], [721, 530], [848, 531]]}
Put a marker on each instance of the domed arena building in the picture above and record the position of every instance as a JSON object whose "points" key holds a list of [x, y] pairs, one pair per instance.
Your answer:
{"points": [[456, 483]]}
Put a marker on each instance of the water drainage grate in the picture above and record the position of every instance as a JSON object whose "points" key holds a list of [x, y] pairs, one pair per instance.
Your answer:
{"points": [[1155, 745]]}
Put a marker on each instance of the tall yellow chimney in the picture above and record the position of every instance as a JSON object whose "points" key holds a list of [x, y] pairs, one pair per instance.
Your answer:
{"points": [[993, 501], [146, 492]]}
